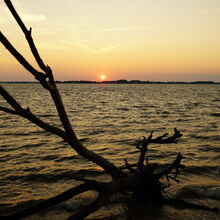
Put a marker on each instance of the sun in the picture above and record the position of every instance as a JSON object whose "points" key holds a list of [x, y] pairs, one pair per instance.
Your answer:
{"points": [[102, 77]]}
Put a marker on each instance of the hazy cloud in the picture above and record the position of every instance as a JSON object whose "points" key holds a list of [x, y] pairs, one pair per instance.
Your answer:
{"points": [[51, 46], [211, 11], [108, 48], [5, 15], [127, 29], [33, 17], [68, 43], [5, 18], [80, 43]]}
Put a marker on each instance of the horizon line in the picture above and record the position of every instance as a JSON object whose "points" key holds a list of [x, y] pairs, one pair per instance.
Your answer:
{"points": [[121, 81]]}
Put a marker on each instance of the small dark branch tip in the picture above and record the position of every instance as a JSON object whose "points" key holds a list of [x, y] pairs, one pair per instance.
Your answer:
{"points": [[143, 151], [138, 147], [146, 160], [129, 166]]}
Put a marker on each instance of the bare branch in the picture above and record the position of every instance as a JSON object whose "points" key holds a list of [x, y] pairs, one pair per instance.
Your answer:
{"points": [[163, 139], [11, 101], [7, 110], [74, 143], [128, 166], [70, 193], [38, 75], [143, 150], [176, 165], [29, 38], [71, 137], [26, 113]]}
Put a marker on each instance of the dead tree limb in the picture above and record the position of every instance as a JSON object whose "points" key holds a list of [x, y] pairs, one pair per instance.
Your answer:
{"points": [[144, 179], [38, 75], [28, 36], [143, 150], [163, 139], [26, 113], [176, 165], [54, 92], [68, 194]]}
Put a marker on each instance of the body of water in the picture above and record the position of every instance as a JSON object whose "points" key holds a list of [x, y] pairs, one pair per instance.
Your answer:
{"points": [[109, 119]]}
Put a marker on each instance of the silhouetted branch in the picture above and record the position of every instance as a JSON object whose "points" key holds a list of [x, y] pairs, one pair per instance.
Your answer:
{"points": [[71, 137], [163, 139], [30, 40], [26, 113], [38, 75], [7, 110], [128, 166], [171, 172], [68, 194], [143, 149]]}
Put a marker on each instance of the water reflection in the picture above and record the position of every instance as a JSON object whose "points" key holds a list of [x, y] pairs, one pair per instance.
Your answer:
{"points": [[108, 119]]}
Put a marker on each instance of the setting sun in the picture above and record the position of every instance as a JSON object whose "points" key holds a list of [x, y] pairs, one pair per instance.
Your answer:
{"points": [[103, 77]]}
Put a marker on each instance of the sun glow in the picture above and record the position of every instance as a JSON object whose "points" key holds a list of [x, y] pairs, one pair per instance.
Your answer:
{"points": [[103, 77]]}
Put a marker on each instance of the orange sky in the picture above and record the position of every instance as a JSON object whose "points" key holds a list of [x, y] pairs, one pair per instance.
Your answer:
{"points": [[132, 39]]}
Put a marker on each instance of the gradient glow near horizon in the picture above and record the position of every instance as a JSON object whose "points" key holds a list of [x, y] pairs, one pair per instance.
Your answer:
{"points": [[123, 39]]}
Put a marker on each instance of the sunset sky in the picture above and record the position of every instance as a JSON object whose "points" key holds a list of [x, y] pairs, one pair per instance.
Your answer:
{"points": [[165, 40]]}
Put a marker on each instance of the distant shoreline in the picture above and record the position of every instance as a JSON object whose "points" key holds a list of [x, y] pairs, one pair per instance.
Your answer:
{"points": [[122, 81]]}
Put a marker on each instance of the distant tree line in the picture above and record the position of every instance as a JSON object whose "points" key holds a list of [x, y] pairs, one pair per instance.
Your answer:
{"points": [[122, 81]]}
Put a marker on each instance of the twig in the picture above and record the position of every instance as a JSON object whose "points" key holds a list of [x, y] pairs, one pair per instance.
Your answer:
{"points": [[163, 139], [176, 165]]}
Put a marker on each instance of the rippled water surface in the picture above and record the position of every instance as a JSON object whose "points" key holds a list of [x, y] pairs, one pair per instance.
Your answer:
{"points": [[109, 119]]}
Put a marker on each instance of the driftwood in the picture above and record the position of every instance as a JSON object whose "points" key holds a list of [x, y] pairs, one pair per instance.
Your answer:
{"points": [[142, 180]]}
